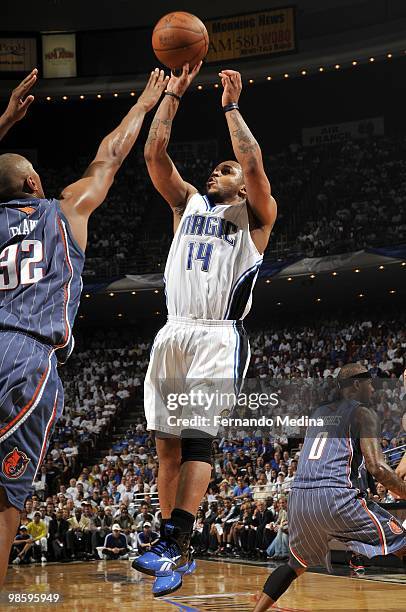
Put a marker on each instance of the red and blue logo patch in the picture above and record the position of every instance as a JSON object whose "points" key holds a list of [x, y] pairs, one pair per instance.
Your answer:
{"points": [[14, 464]]}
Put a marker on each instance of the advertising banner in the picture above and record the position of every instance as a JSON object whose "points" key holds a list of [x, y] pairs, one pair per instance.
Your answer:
{"points": [[250, 35], [18, 54], [338, 132], [59, 55]]}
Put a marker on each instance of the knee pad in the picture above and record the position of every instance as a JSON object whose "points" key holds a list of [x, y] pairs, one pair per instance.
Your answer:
{"points": [[196, 449], [279, 581]]}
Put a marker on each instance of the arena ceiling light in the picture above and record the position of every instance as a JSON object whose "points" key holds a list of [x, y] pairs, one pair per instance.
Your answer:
{"points": [[321, 69], [115, 95], [87, 295], [251, 81], [337, 66], [392, 291], [269, 78], [334, 273], [64, 97], [312, 276], [389, 56], [82, 97], [49, 98], [200, 87], [354, 63], [361, 295], [304, 72], [132, 93], [111, 294], [371, 59], [156, 291], [286, 76], [98, 96], [357, 270], [403, 263], [318, 300], [133, 293], [381, 267]]}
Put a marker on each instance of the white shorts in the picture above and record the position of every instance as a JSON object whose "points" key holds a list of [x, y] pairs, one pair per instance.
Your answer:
{"points": [[195, 374]]}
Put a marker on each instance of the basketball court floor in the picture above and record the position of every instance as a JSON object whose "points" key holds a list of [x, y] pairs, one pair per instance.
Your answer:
{"points": [[216, 586]]}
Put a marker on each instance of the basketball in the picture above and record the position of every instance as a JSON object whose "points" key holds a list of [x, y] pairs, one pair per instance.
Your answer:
{"points": [[178, 38]]}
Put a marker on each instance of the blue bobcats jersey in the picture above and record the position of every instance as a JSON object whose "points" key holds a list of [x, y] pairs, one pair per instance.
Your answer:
{"points": [[331, 455], [40, 273]]}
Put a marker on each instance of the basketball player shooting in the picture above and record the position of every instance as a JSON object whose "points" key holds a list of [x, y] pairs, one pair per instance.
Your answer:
{"points": [[218, 247], [328, 498], [42, 245]]}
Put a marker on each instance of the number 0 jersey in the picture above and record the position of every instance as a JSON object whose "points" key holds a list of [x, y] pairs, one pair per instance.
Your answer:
{"points": [[40, 272], [213, 263], [331, 454]]}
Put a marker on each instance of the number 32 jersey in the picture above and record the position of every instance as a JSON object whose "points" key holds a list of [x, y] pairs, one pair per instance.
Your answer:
{"points": [[213, 263], [40, 272]]}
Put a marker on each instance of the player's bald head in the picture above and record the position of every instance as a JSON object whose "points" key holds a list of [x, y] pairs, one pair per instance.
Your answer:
{"points": [[15, 171]]}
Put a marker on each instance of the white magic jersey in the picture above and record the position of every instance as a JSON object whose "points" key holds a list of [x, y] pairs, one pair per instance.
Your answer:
{"points": [[213, 263]]}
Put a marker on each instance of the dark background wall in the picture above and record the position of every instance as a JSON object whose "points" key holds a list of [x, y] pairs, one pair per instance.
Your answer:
{"points": [[276, 111]]}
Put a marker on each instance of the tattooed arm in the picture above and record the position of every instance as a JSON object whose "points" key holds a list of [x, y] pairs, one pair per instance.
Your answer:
{"points": [[248, 153], [372, 452], [161, 168]]}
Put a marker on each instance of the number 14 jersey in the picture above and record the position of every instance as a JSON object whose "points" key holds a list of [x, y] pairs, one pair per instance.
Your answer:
{"points": [[40, 272], [213, 263]]}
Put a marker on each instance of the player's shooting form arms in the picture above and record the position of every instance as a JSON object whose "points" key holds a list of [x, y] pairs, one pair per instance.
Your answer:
{"points": [[371, 449], [247, 151], [19, 102], [80, 199], [163, 172]]}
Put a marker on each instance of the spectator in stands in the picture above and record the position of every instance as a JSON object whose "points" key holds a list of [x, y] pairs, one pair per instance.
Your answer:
{"points": [[37, 529], [100, 526], [147, 538], [78, 537], [20, 550], [58, 528], [115, 545]]}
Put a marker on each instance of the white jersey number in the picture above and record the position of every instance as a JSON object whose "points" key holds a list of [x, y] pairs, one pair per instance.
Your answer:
{"points": [[319, 443], [29, 274]]}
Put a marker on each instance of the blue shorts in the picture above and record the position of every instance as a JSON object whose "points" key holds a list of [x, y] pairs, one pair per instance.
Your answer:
{"points": [[316, 516], [31, 402]]}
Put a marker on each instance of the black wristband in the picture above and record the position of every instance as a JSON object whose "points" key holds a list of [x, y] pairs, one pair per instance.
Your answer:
{"points": [[230, 107], [171, 93]]}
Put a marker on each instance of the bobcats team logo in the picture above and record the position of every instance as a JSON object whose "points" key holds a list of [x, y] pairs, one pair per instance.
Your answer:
{"points": [[395, 527], [15, 463]]}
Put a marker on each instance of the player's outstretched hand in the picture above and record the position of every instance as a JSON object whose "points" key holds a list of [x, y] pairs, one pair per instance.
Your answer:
{"points": [[232, 86], [178, 84], [19, 100], [153, 90]]}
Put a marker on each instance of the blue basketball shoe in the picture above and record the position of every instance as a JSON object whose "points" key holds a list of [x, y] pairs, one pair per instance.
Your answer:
{"points": [[171, 552], [169, 580]]}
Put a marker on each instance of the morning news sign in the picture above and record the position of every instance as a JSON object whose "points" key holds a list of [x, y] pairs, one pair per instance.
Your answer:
{"points": [[251, 35]]}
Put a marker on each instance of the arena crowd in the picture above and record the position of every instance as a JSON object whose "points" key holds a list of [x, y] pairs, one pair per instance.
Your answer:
{"points": [[108, 507]]}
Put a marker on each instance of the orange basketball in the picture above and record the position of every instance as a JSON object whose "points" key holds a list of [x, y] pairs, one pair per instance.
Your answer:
{"points": [[179, 38]]}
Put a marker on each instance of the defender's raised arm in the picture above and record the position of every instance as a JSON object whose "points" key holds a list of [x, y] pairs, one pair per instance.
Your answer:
{"points": [[80, 199], [18, 104]]}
